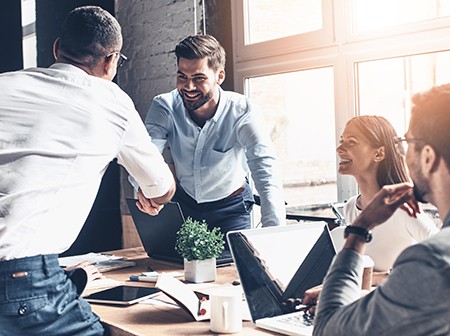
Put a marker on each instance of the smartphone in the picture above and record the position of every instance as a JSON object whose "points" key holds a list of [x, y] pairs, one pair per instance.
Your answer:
{"points": [[123, 295]]}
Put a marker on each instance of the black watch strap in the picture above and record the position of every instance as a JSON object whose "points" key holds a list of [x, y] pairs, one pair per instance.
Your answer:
{"points": [[366, 234]]}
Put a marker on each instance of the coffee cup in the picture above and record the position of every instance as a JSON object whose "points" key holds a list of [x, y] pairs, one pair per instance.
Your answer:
{"points": [[226, 311], [367, 273]]}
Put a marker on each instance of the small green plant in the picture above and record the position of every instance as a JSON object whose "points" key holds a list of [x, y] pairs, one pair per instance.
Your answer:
{"points": [[196, 242]]}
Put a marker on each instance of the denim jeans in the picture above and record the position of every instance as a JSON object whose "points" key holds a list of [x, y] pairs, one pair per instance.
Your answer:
{"points": [[38, 298], [230, 213]]}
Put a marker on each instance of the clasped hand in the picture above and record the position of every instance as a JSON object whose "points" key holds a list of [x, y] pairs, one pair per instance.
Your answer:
{"points": [[148, 205]]}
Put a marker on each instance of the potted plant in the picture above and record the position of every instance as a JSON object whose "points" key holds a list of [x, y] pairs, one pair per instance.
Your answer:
{"points": [[199, 247]]}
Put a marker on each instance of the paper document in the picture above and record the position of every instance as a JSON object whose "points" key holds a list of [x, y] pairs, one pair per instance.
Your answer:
{"points": [[104, 262], [91, 258]]}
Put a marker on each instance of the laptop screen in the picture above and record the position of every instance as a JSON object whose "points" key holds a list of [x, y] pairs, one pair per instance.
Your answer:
{"points": [[158, 233], [277, 263]]}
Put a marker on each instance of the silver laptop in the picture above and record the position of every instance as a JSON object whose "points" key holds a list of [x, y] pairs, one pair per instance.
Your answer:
{"points": [[277, 264], [159, 233]]}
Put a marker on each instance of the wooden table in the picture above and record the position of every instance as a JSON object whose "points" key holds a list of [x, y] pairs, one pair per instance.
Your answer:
{"points": [[144, 319]]}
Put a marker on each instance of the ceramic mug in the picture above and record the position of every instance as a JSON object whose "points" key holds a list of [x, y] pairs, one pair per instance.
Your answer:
{"points": [[226, 311], [368, 273]]}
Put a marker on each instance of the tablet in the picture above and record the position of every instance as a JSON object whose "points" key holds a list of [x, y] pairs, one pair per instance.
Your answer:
{"points": [[122, 295]]}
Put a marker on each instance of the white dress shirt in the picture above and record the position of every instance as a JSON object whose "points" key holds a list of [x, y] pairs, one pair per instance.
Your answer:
{"points": [[60, 128]]}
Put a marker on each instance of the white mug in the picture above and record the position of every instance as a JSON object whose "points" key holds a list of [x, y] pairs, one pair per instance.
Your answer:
{"points": [[226, 310], [368, 273]]}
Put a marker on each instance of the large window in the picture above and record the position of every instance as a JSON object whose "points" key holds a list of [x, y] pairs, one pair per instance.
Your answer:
{"points": [[311, 65], [298, 109], [267, 20]]}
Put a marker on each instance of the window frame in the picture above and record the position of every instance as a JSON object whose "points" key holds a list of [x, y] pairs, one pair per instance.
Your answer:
{"points": [[337, 46]]}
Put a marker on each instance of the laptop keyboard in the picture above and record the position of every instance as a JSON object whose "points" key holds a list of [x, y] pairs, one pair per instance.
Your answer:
{"points": [[304, 319]]}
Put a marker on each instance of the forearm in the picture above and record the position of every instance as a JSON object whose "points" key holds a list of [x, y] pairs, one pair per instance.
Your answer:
{"points": [[269, 185], [341, 287]]}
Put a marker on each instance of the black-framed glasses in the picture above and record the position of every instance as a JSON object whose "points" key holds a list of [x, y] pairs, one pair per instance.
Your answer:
{"points": [[401, 144], [122, 58]]}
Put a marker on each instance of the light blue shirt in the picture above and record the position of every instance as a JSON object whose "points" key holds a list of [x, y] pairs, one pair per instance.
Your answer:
{"points": [[212, 161]]}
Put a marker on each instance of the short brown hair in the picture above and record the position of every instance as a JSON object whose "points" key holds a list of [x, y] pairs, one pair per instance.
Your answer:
{"points": [[430, 120], [200, 46]]}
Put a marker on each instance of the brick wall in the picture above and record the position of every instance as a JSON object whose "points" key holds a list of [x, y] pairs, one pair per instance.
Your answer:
{"points": [[151, 29]]}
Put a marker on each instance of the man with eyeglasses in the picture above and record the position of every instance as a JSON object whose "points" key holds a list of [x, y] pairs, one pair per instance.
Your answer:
{"points": [[215, 141], [415, 298], [60, 128]]}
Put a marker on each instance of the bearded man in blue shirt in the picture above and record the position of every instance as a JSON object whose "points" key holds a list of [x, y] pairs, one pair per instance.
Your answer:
{"points": [[215, 140]]}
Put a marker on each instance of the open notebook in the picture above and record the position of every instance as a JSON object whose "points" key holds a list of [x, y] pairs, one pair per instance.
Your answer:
{"points": [[278, 263]]}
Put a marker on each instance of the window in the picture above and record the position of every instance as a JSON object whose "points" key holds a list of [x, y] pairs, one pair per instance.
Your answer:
{"points": [[269, 20], [370, 15], [29, 33], [391, 98], [304, 113], [311, 65]]}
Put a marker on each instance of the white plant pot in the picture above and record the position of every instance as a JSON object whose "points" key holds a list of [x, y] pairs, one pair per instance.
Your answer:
{"points": [[198, 271]]}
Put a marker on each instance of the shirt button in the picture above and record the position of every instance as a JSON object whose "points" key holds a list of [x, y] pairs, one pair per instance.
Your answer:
{"points": [[23, 310]]}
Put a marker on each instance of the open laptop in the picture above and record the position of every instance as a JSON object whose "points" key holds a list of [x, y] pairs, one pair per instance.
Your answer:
{"points": [[159, 233], [278, 263]]}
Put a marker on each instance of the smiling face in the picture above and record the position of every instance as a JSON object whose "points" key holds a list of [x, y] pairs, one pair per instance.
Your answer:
{"points": [[357, 157], [198, 84]]}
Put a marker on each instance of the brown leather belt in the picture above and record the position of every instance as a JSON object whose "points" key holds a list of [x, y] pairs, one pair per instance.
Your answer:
{"points": [[236, 192]]}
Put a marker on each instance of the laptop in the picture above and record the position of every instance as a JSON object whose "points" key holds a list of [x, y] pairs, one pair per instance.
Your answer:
{"points": [[276, 264], [159, 233]]}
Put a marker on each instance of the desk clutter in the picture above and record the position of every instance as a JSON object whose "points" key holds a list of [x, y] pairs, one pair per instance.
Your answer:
{"points": [[161, 314], [103, 262], [195, 298]]}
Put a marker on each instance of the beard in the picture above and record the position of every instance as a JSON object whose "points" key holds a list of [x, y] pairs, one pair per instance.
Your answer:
{"points": [[202, 99], [421, 188]]}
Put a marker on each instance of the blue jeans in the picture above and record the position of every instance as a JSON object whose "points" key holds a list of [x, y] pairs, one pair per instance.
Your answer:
{"points": [[229, 213], [38, 298]]}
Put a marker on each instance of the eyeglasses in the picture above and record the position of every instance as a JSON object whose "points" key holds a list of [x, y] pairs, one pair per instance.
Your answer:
{"points": [[401, 144], [122, 58]]}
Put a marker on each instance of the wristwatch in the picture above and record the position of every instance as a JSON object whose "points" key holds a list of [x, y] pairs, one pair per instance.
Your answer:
{"points": [[366, 234]]}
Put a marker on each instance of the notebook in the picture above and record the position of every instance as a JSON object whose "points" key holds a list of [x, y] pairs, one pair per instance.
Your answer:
{"points": [[159, 233], [278, 263]]}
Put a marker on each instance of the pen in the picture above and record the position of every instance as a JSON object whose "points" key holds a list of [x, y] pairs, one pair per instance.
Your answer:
{"points": [[152, 276], [143, 278]]}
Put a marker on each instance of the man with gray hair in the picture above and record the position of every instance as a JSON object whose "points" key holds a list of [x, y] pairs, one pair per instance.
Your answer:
{"points": [[61, 127]]}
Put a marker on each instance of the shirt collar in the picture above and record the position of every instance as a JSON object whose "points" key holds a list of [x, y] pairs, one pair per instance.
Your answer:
{"points": [[67, 67], [220, 106]]}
